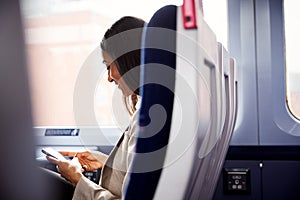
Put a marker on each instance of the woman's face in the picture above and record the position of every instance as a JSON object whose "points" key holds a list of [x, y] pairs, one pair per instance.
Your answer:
{"points": [[114, 75]]}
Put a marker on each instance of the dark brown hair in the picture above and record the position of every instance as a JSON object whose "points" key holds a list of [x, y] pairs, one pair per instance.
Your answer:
{"points": [[122, 41]]}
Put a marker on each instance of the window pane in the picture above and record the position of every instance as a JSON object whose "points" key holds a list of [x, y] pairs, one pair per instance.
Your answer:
{"points": [[217, 19], [61, 37], [292, 49]]}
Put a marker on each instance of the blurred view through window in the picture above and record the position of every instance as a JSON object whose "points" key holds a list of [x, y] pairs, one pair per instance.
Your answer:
{"points": [[60, 35], [292, 49]]}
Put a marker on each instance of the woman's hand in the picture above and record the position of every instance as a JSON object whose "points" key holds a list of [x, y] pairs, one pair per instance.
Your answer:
{"points": [[71, 170], [89, 160]]}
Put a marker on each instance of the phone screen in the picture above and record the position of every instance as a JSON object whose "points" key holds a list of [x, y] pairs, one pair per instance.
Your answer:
{"points": [[51, 152]]}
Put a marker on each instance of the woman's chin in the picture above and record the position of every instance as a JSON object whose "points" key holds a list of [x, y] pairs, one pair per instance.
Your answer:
{"points": [[125, 92]]}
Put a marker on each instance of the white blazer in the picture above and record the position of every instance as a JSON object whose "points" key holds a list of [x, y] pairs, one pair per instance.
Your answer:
{"points": [[114, 172]]}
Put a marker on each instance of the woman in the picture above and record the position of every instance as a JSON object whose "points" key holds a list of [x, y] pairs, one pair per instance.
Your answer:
{"points": [[121, 55]]}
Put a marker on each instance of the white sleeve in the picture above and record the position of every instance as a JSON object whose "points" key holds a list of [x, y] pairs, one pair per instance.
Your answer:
{"points": [[86, 189]]}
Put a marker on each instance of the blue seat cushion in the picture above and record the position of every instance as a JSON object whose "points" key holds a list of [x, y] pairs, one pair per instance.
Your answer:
{"points": [[157, 89]]}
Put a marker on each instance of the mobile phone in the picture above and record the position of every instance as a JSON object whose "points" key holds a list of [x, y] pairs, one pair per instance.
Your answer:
{"points": [[51, 152]]}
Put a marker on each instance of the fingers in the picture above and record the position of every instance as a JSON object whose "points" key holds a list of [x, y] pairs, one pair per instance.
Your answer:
{"points": [[75, 153], [52, 159], [76, 162], [68, 153], [63, 166], [84, 168], [83, 154]]}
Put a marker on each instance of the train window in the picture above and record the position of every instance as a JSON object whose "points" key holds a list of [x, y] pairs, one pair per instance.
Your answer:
{"points": [[216, 18], [292, 47], [62, 41]]}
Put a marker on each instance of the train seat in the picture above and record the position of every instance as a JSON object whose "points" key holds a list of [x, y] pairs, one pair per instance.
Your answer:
{"points": [[187, 110], [158, 84]]}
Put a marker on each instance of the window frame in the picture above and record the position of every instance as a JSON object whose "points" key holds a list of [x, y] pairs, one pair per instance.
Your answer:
{"points": [[277, 125]]}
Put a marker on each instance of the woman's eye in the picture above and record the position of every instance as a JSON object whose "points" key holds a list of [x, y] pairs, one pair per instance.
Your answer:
{"points": [[108, 67]]}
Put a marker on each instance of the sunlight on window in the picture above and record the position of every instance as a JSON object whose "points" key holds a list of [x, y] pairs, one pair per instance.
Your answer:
{"points": [[60, 35], [215, 15], [292, 49]]}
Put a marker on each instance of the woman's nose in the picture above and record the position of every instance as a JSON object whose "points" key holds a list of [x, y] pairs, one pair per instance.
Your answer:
{"points": [[109, 78]]}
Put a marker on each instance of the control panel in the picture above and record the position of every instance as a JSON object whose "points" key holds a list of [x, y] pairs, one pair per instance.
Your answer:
{"points": [[236, 180], [93, 175]]}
